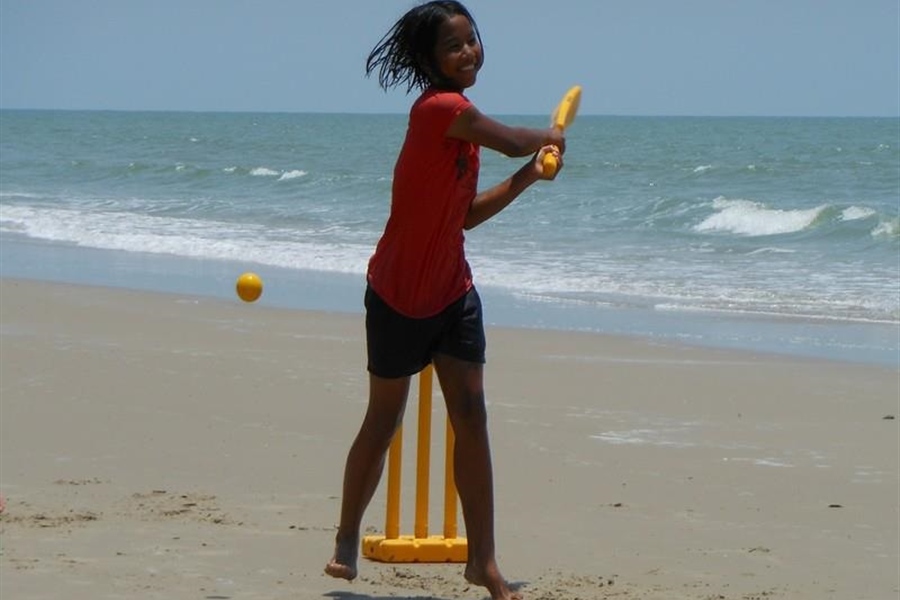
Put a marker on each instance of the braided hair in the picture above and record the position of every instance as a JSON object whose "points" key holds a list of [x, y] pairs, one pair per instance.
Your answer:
{"points": [[405, 55]]}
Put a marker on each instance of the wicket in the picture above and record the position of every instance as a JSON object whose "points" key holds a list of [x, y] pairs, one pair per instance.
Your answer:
{"points": [[419, 547]]}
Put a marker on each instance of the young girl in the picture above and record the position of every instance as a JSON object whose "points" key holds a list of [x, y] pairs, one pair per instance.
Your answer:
{"points": [[421, 305]]}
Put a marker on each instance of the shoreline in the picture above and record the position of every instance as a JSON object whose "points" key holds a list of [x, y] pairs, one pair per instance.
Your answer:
{"points": [[845, 341], [176, 446]]}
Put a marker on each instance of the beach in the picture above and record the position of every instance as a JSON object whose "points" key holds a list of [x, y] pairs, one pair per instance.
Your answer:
{"points": [[177, 447]]}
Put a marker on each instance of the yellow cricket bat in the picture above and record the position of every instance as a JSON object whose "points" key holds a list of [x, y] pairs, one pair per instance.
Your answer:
{"points": [[562, 117]]}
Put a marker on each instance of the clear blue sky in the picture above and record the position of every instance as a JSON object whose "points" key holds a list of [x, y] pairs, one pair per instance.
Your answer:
{"points": [[633, 57]]}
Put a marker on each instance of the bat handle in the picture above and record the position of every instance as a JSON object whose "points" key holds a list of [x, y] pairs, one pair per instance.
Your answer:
{"points": [[550, 164]]}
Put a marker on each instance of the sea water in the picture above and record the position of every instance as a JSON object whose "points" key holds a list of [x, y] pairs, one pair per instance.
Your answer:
{"points": [[769, 234]]}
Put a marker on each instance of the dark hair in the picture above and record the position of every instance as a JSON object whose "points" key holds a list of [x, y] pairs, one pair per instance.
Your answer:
{"points": [[405, 55]]}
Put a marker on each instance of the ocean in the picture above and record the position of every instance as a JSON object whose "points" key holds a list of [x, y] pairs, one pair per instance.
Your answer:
{"points": [[767, 234]]}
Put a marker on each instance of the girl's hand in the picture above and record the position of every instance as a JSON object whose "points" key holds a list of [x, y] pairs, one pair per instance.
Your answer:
{"points": [[556, 137], [538, 161]]}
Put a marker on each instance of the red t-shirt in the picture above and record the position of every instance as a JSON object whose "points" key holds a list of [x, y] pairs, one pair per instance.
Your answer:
{"points": [[419, 266]]}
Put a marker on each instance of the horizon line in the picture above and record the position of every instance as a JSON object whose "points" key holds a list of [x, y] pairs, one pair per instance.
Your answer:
{"points": [[405, 113]]}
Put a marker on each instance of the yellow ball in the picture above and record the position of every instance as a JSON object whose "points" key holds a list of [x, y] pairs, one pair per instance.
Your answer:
{"points": [[249, 287]]}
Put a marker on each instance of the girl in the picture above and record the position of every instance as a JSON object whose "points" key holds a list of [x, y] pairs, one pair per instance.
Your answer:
{"points": [[421, 305]]}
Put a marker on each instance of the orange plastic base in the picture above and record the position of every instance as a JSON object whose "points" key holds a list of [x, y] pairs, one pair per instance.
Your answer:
{"points": [[409, 549]]}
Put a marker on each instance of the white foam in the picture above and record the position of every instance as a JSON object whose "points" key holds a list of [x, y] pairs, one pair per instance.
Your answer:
{"points": [[744, 217], [772, 250], [14, 195], [650, 437], [287, 247], [288, 175], [854, 213], [771, 462], [888, 229], [263, 172]]}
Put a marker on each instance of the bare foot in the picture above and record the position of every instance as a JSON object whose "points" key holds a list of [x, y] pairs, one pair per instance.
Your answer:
{"points": [[343, 564], [493, 581]]}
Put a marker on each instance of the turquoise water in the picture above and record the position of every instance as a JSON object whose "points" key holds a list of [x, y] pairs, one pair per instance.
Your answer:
{"points": [[764, 233]]}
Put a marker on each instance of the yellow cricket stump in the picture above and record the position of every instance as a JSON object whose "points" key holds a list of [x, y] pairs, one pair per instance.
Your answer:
{"points": [[419, 547]]}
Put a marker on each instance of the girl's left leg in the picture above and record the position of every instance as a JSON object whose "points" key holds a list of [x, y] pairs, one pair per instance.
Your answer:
{"points": [[462, 383]]}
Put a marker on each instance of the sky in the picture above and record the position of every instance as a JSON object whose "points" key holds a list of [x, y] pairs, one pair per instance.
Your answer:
{"points": [[632, 57]]}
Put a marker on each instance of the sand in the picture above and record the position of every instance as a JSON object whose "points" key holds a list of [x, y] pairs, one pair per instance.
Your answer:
{"points": [[165, 446]]}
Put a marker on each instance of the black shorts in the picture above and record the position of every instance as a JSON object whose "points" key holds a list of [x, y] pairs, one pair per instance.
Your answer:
{"points": [[399, 346]]}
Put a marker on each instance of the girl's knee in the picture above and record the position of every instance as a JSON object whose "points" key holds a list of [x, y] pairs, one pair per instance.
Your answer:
{"points": [[468, 408], [382, 426]]}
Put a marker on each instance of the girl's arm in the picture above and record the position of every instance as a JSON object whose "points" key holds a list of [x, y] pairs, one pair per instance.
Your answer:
{"points": [[472, 126], [490, 202]]}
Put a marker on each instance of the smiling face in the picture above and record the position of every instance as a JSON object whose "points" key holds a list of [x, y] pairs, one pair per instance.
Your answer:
{"points": [[457, 53]]}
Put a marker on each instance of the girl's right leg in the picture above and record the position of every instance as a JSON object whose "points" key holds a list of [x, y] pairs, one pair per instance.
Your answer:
{"points": [[365, 463], [462, 383]]}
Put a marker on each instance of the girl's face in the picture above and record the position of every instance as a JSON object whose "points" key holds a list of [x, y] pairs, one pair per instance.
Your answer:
{"points": [[457, 52]]}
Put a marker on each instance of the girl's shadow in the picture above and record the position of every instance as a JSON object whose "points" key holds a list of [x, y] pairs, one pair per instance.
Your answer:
{"points": [[354, 596], [343, 595]]}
